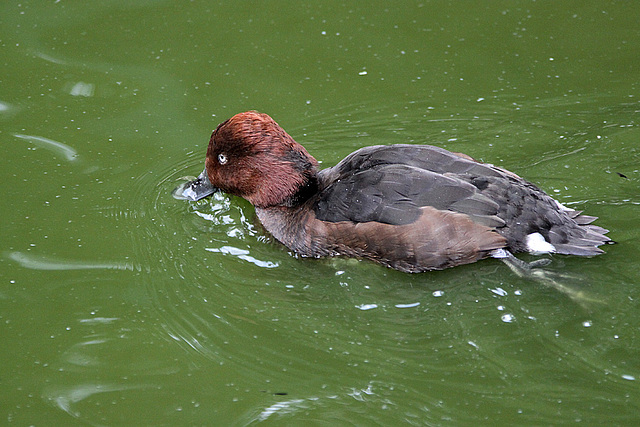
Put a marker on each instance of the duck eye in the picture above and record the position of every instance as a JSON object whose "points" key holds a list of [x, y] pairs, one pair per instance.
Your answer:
{"points": [[222, 158]]}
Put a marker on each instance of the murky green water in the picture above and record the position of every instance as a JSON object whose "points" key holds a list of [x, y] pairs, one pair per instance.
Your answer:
{"points": [[122, 306]]}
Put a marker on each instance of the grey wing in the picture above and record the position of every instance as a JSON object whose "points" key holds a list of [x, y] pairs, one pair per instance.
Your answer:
{"points": [[425, 157], [395, 193]]}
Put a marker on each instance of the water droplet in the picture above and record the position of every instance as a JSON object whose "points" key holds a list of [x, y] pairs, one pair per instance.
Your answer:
{"points": [[508, 318], [410, 305]]}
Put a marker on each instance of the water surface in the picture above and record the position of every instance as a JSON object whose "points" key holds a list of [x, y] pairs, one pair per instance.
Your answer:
{"points": [[122, 306]]}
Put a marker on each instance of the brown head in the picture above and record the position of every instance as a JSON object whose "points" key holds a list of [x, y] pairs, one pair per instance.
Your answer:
{"points": [[251, 156]]}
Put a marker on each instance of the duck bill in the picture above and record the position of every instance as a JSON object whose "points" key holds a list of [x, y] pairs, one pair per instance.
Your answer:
{"points": [[195, 190]]}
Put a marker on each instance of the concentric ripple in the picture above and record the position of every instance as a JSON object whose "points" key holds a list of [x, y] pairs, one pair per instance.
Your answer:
{"points": [[289, 336]]}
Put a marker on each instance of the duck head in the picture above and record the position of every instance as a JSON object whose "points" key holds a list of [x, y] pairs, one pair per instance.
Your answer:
{"points": [[251, 156]]}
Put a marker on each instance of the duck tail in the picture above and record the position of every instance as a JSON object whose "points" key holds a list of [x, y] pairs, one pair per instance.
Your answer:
{"points": [[584, 239]]}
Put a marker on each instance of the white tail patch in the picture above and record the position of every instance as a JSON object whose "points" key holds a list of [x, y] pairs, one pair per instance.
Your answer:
{"points": [[537, 245], [500, 253], [563, 207]]}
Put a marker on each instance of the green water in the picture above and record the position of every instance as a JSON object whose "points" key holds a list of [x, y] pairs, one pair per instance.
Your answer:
{"points": [[122, 306]]}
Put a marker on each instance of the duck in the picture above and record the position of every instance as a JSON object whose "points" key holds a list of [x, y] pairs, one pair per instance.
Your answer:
{"points": [[413, 208]]}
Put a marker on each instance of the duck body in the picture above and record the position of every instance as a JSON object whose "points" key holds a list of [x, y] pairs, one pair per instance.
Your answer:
{"points": [[410, 207]]}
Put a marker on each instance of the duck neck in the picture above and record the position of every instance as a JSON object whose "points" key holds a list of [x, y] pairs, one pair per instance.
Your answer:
{"points": [[307, 189], [289, 225]]}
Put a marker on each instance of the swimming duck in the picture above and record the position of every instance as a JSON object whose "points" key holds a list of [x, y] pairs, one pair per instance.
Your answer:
{"points": [[410, 207]]}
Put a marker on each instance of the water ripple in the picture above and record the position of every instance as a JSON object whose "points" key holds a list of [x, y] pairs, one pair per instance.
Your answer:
{"points": [[278, 327], [56, 147], [42, 262]]}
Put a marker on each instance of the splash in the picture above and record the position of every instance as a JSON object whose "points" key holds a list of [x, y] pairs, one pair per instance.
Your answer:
{"points": [[243, 254]]}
